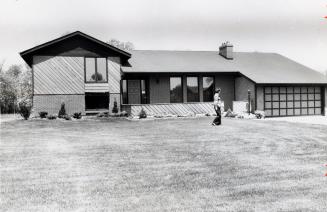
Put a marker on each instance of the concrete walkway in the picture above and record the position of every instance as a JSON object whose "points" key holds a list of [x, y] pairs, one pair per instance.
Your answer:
{"points": [[322, 120]]}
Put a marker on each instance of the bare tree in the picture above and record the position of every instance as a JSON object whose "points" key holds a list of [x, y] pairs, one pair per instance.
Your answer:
{"points": [[126, 46]]}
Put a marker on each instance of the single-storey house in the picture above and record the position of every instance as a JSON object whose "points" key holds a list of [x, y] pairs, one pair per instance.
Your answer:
{"points": [[89, 76]]}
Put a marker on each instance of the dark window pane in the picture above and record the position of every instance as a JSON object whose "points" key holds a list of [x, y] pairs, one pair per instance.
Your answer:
{"points": [[311, 90], [90, 69], [268, 97], [297, 112], [317, 89], [94, 101], [144, 95], [289, 89], [282, 90], [268, 112], [275, 90], [124, 92], [176, 91], [101, 70], [282, 104], [192, 89], [208, 89], [317, 111]]}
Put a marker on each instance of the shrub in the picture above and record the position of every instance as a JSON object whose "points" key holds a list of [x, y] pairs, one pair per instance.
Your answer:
{"points": [[62, 111], [25, 109], [142, 114], [230, 114], [67, 117], [51, 117], [259, 114], [124, 114], [77, 115], [115, 108], [43, 114]]}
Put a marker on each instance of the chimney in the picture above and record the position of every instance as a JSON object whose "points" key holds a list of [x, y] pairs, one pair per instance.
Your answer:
{"points": [[226, 50]]}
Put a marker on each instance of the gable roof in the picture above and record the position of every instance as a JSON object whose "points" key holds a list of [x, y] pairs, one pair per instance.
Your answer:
{"points": [[27, 54], [259, 67]]}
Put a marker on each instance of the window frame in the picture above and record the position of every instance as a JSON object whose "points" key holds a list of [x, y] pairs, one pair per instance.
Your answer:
{"points": [[214, 87], [198, 80], [182, 88], [96, 69]]}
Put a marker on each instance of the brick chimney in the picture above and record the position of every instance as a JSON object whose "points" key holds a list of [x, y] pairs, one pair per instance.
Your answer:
{"points": [[226, 50]]}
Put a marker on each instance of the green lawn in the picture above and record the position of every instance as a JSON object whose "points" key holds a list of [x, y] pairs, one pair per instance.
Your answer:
{"points": [[162, 165]]}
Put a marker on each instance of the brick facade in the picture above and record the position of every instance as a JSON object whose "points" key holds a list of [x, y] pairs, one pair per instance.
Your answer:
{"points": [[52, 103]]}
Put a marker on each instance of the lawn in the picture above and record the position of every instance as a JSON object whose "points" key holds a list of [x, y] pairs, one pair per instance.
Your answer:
{"points": [[162, 165]]}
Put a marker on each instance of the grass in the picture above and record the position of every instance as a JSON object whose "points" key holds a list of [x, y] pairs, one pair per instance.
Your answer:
{"points": [[162, 165]]}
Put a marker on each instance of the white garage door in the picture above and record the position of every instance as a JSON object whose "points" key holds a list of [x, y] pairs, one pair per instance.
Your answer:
{"points": [[292, 101]]}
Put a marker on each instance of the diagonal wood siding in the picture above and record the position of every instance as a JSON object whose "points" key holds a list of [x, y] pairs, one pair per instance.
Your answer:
{"points": [[180, 109], [58, 75], [114, 74]]}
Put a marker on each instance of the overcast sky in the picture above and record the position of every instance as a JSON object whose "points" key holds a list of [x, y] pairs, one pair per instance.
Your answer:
{"points": [[294, 28]]}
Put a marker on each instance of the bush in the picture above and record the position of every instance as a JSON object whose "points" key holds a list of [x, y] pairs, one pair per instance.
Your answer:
{"points": [[123, 114], [43, 114], [230, 114], [115, 108], [25, 109], [51, 117], [62, 111], [142, 114], [77, 115], [67, 117], [259, 114]]}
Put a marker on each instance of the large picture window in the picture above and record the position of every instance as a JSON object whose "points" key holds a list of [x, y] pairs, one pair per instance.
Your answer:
{"points": [[96, 70], [208, 89], [176, 90], [192, 89]]}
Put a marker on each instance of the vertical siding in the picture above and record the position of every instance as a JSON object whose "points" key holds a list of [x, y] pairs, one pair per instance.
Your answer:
{"points": [[114, 74], [134, 91], [242, 85], [159, 89], [58, 75], [226, 84], [325, 100], [260, 98]]}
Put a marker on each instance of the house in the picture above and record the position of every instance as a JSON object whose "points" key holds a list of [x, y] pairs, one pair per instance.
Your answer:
{"points": [[90, 75]]}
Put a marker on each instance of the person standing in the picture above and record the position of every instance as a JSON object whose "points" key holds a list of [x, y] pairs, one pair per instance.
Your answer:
{"points": [[217, 107]]}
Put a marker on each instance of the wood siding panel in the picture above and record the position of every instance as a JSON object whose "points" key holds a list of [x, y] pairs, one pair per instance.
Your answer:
{"points": [[58, 75], [114, 74], [179, 109], [96, 87]]}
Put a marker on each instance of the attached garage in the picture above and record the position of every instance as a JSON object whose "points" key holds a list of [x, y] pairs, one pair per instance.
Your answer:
{"points": [[293, 100]]}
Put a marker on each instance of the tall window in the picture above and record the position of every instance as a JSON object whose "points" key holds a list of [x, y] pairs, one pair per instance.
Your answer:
{"points": [[96, 70], [192, 89], [144, 95], [208, 89], [176, 90], [124, 92]]}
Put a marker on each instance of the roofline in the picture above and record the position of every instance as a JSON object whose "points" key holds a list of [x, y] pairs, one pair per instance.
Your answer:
{"points": [[28, 51]]}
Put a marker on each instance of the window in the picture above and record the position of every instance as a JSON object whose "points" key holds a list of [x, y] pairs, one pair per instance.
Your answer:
{"points": [[176, 90], [96, 70], [208, 89], [144, 96], [124, 92], [192, 89], [96, 101]]}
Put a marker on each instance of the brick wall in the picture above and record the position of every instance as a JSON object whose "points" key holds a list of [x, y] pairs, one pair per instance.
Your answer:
{"points": [[52, 103]]}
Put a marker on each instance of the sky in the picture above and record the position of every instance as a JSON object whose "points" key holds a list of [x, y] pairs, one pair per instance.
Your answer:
{"points": [[293, 28]]}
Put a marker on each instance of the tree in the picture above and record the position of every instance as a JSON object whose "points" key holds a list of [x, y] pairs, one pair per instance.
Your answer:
{"points": [[126, 46], [15, 87]]}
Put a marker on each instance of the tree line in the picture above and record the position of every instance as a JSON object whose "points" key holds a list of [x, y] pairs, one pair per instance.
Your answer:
{"points": [[15, 87]]}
